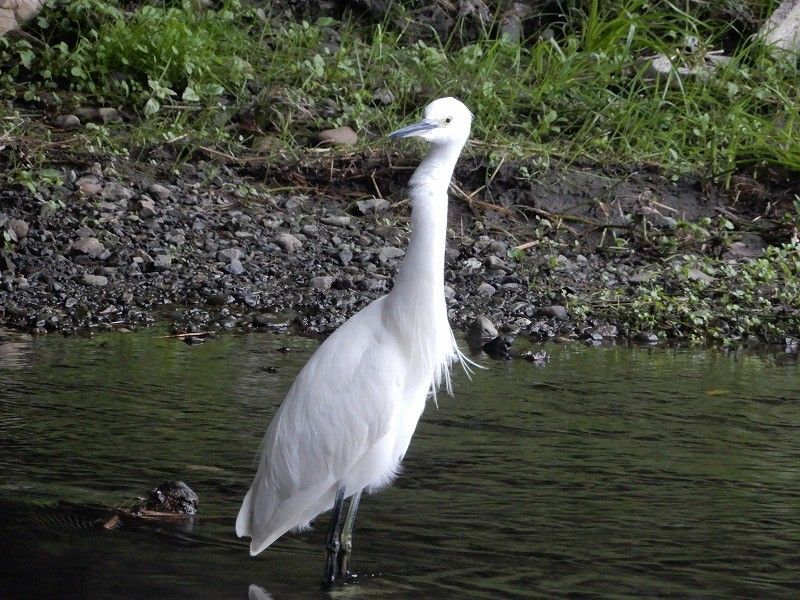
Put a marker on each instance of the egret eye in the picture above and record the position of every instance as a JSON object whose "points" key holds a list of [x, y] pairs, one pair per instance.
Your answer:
{"points": [[447, 120]]}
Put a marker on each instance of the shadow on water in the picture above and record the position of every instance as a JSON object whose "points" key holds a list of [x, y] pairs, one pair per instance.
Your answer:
{"points": [[610, 472]]}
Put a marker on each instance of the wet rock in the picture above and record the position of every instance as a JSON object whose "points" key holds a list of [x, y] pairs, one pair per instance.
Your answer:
{"points": [[95, 280], [339, 136], [162, 262], [557, 312], [646, 337], [67, 122], [172, 497], [486, 289], [323, 282], [89, 246], [288, 242], [500, 347], [606, 331], [538, 357], [481, 331]]}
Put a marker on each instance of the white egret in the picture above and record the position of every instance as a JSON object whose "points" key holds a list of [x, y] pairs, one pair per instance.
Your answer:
{"points": [[347, 420]]}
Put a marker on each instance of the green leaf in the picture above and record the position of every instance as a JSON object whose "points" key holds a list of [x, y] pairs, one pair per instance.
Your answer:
{"points": [[26, 58], [151, 108], [189, 95]]}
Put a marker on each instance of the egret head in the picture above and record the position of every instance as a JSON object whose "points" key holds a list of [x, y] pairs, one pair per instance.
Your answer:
{"points": [[446, 121]]}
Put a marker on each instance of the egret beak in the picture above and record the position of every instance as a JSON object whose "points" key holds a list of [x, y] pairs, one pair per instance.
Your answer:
{"points": [[415, 129]]}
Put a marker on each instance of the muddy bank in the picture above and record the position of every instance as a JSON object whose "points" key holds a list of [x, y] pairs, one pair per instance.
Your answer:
{"points": [[211, 248]]}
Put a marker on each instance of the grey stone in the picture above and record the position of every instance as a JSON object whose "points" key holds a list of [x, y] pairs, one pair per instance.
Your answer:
{"points": [[557, 312], [147, 208], [159, 191], [109, 115], [493, 263], [749, 245], [89, 246], [229, 254], [481, 331], [647, 337], [19, 227], [235, 267], [323, 282], [642, 277], [698, 275], [486, 289], [372, 205], [288, 242], [389, 252], [67, 122], [605, 331], [95, 280], [162, 262], [337, 220]]}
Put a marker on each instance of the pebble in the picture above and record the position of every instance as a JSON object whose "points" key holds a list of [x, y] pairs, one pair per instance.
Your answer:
{"points": [[147, 208], [90, 246], [493, 263], [372, 206], [159, 191], [162, 262], [95, 280], [235, 267], [230, 254], [486, 289], [337, 220], [390, 252], [557, 312], [288, 242], [19, 228], [323, 282]]}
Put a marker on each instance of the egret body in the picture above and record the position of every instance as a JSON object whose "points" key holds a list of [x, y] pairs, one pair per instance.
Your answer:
{"points": [[348, 419]]}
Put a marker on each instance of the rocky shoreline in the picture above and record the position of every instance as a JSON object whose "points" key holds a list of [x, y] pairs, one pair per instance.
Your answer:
{"points": [[207, 249]]}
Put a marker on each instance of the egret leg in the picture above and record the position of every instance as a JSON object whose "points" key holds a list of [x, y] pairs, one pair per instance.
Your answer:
{"points": [[347, 535], [333, 545]]}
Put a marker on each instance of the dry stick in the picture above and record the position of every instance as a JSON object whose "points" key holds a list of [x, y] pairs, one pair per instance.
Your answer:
{"points": [[183, 335]]}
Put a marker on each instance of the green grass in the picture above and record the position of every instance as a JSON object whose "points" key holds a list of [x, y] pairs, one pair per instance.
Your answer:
{"points": [[582, 95]]}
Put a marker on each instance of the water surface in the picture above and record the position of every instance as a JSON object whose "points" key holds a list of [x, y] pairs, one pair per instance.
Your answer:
{"points": [[609, 473]]}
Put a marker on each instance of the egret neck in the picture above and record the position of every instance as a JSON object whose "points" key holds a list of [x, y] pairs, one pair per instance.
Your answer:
{"points": [[418, 294]]}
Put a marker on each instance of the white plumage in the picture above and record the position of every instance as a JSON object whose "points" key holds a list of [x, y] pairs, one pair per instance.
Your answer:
{"points": [[348, 418]]}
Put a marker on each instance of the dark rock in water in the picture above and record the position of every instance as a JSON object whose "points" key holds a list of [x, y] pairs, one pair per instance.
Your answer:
{"points": [[646, 337], [172, 497], [539, 357], [481, 331], [500, 347]]}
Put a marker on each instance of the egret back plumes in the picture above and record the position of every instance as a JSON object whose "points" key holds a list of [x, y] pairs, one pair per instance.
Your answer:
{"points": [[348, 419]]}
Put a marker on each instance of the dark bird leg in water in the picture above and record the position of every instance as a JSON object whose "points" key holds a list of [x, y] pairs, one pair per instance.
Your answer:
{"points": [[333, 545], [347, 535]]}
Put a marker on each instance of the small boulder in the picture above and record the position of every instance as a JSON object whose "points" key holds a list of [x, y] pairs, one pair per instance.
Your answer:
{"points": [[67, 122], [481, 331], [159, 191], [19, 228], [557, 312], [162, 262], [486, 289], [288, 242], [323, 282], [88, 246], [235, 267], [390, 252], [147, 209]]}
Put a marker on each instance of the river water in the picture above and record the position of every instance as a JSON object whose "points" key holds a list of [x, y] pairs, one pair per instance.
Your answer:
{"points": [[608, 473]]}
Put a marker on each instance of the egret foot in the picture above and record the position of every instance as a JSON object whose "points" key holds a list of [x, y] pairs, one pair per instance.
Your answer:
{"points": [[346, 537]]}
